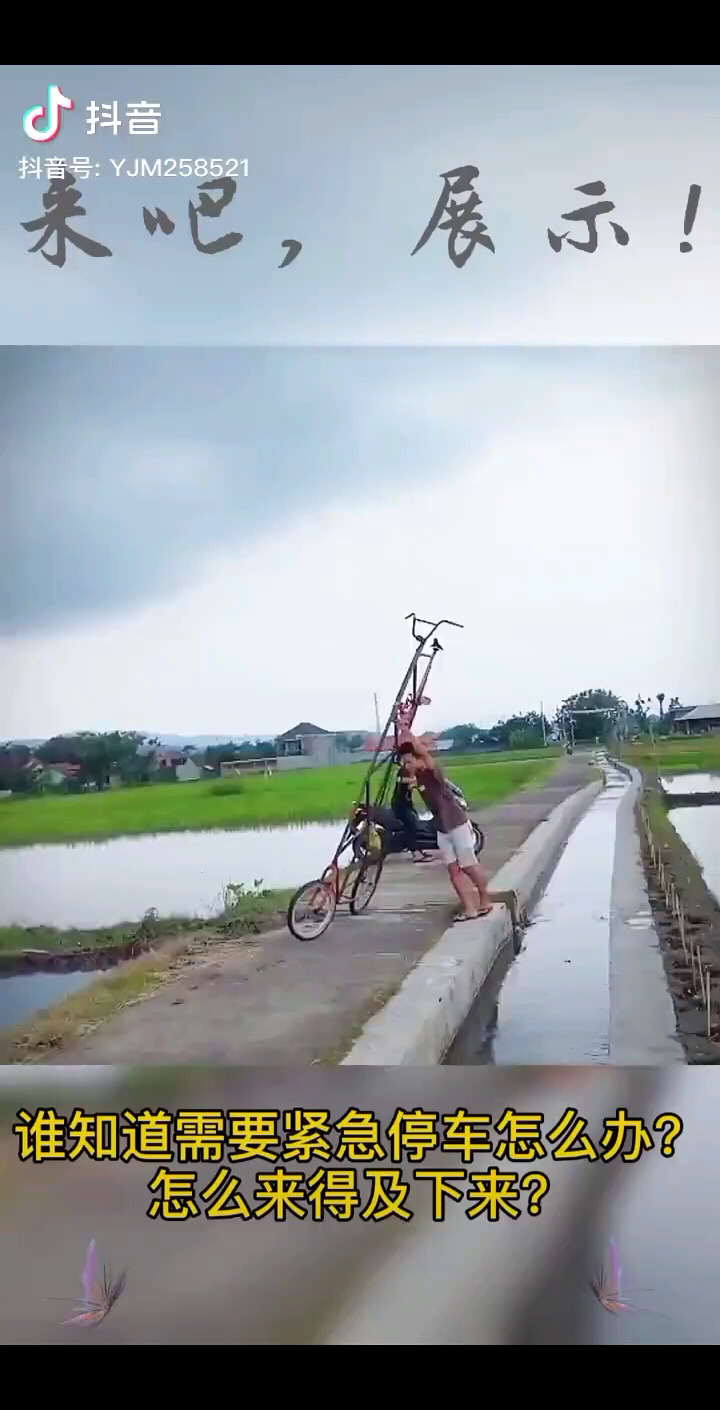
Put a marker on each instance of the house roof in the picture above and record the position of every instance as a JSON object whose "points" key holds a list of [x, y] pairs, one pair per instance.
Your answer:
{"points": [[700, 712], [303, 730]]}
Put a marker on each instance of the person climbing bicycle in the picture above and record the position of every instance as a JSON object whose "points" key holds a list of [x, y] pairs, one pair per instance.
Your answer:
{"points": [[456, 842]]}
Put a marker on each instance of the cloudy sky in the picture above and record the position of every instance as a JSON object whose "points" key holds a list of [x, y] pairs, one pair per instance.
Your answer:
{"points": [[227, 541], [347, 159]]}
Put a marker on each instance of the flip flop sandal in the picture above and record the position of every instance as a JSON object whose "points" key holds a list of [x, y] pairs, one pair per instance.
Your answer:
{"points": [[461, 918], [421, 860]]}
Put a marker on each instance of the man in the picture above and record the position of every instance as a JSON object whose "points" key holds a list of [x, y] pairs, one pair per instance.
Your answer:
{"points": [[456, 842]]}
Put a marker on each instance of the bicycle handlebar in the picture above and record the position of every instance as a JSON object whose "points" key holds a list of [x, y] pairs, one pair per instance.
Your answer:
{"points": [[424, 622]]}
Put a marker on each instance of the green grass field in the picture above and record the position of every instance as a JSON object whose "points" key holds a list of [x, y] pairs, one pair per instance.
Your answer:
{"points": [[308, 795], [675, 754]]}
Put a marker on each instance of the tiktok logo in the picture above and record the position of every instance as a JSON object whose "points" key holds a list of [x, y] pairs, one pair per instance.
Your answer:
{"points": [[56, 101]]}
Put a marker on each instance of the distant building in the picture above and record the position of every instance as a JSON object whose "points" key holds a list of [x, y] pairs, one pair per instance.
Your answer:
{"points": [[168, 758], [306, 746], [702, 719], [180, 762], [189, 770]]}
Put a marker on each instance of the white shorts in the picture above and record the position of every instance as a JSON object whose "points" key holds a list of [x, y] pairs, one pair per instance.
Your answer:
{"points": [[458, 846]]}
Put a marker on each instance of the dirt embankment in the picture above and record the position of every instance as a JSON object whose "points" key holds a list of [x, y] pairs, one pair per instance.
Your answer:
{"points": [[50, 950], [700, 928]]}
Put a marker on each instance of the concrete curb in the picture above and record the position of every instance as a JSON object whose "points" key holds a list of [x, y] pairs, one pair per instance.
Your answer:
{"points": [[417, 1027], [628, 770], [643, 1023]]}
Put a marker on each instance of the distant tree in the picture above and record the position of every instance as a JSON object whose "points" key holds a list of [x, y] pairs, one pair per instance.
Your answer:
{"points": [[522, 731], [217, 754], [350, 742], [99, 755], [605, 709], [140, 767], [668, 716], [642, 713], [14, 773], [517, 732], [525, 739], [660, 698]]}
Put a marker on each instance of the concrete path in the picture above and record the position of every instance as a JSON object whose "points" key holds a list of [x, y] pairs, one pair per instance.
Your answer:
{"points": [[272, 1001]]}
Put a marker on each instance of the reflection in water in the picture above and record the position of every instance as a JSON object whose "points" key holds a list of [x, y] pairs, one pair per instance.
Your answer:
{"points": [[554, 1003], [666, 1227], [361, 1282], [691, 783], [523, 1281], [178, 873], [700, 831], [22, 994]]}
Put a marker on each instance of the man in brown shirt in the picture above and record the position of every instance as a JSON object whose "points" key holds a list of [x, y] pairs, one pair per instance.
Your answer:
{"points": [[456, 842]]}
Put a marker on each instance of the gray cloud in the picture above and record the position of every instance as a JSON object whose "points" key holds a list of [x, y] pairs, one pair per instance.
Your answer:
{"points": [[118, 467]]}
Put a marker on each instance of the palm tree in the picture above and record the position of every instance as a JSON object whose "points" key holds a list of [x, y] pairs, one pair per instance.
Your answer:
{"points": [[660, 698]]}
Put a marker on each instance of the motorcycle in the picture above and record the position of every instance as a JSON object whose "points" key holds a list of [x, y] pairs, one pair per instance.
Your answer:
{"points": [[400, 828]]}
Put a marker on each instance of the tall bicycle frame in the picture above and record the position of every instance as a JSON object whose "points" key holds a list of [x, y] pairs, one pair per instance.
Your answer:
{"points": [[359, 879]]}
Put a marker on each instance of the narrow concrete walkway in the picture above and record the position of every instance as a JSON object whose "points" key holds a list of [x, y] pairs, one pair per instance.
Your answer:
{"points": [[273, 1001], [643, 1025]]}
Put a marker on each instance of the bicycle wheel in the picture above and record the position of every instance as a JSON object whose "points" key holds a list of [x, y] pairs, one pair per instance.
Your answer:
{"points": [[311, 910], [365, 885], [479, 839]]}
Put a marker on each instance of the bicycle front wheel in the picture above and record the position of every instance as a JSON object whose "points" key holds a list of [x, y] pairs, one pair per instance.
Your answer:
{"points": [[365, 886], [311, 910]]}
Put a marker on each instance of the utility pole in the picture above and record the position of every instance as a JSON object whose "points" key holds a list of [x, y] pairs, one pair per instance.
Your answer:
{"points": [[377, 716], [542, 717]]}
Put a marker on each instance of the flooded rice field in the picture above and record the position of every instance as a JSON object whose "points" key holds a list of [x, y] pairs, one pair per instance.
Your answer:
{"points": [[24, 994], [700, 831], [90, 884], [691, 783]]}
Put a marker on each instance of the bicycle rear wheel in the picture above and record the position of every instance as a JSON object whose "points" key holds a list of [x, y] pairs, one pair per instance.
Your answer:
{"points": [[311, 910], [365, 885], [479, 839]]}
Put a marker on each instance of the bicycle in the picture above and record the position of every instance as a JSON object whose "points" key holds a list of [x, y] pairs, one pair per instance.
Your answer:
{"points": [[358, 881]]}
